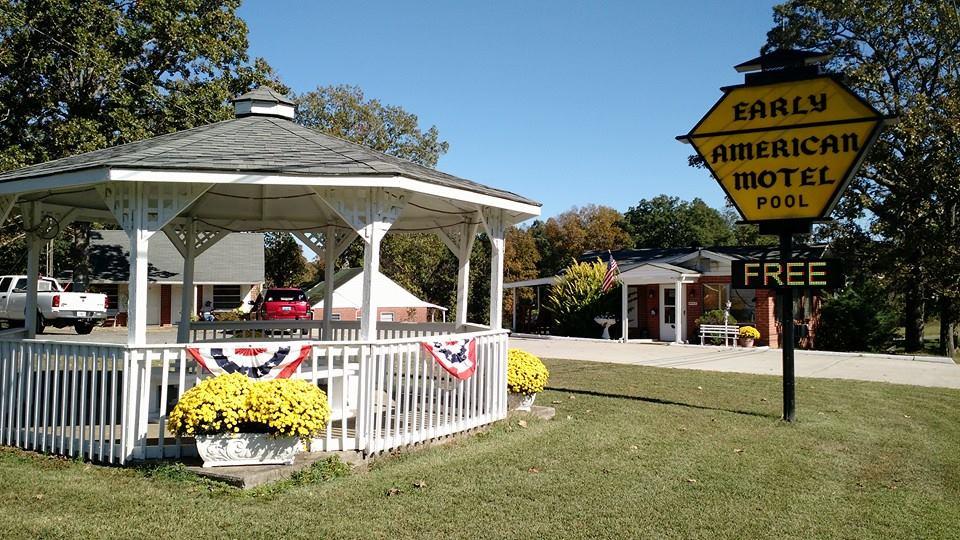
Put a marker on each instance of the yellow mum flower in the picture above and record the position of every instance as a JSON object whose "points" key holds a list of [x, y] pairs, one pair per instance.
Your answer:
{"points": [[526, 373]]}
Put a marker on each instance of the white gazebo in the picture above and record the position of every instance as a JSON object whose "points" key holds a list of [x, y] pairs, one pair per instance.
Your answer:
{"points": [[257, 172]]}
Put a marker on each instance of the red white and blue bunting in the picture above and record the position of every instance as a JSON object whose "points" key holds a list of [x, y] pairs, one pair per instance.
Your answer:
{"points": [[458, 357], [261, 363]]}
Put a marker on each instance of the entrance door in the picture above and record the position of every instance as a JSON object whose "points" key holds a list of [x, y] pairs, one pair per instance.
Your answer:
{"points": [[668, 310]]}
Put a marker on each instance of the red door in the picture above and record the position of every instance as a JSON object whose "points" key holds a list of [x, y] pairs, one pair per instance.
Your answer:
{"points": [[164, 305]]}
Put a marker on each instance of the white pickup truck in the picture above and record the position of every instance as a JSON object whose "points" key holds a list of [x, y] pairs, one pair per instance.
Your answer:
{"points": [[55, 307]]}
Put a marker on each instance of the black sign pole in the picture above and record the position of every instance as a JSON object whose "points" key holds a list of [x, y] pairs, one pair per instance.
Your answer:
{"points": [[786, 323]]}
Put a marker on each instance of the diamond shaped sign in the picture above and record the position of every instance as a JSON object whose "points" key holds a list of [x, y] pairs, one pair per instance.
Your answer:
{"points": [[786, 150]]}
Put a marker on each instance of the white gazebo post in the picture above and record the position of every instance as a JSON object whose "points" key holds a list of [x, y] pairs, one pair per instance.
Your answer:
{"points": [[460, 242], [187, 294], [329, 248], [370, 213], [493, 223], [142, 209], [329, 270], [680, 312], [31, 219], [624, 314]]}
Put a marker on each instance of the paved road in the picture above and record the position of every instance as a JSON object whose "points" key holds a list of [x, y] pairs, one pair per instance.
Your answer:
{"points": [[761, 361], [766, 362]]}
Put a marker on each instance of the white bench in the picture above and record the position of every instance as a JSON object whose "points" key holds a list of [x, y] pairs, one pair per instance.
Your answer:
{"points": [[720, 331]]}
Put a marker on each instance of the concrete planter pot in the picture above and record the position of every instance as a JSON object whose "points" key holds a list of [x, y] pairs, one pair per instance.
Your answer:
{"points": [[746, 342], [520, 402], [229, 449]]}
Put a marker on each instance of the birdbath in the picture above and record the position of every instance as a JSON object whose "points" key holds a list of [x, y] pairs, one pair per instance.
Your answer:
{"points": [[606, 322]]}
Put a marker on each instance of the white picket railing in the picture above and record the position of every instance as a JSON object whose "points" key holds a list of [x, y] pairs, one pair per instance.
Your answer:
{"points": [[216, 331], [109, 403]]}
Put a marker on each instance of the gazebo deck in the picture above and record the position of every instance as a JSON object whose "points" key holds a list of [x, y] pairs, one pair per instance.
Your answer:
{"points": [[109, 402]]}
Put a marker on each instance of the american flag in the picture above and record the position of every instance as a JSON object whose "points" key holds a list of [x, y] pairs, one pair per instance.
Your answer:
{"points": [[611, 276]]}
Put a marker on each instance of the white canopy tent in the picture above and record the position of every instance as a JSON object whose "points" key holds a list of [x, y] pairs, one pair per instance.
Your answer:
{"points": [[348, 292]]}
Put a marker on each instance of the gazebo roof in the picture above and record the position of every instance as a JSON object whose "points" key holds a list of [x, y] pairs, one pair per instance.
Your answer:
{"points": [[255, 144]]}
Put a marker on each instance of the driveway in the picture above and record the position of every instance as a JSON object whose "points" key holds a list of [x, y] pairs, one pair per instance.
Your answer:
{"points": [[760, 361]]}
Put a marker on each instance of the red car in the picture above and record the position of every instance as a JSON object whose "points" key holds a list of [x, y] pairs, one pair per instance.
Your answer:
{"points": [[282, 304]]}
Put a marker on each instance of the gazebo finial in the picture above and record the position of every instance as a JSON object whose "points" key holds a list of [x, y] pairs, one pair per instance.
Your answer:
{"points": [[263, 101]]}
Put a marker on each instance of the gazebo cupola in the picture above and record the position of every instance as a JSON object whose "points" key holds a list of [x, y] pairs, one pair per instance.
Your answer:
{"points": [[263, 101]]}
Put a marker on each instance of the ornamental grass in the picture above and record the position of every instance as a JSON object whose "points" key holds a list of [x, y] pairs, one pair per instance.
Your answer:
{"points": [[526, 373], [235, 404]]}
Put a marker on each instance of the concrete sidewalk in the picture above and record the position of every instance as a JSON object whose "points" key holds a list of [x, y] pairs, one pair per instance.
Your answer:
{"points": [[759, 361]]}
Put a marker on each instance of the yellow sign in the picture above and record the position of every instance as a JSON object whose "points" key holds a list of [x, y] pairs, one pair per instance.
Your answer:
{"points": [[786, 150]]}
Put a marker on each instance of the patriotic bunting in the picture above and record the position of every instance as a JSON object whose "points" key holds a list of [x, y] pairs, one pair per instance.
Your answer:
{"points": [[262, 363], [458, 357]]}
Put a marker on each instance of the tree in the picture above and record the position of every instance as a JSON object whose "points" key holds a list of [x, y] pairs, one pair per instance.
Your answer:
{"points": [[80, 76], [285, 264], [520, 261], [343, 111], [665, 221], [902, 56], [565, 237]]}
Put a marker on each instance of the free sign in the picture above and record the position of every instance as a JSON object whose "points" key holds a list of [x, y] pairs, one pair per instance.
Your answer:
{"points": [[786, 150], [793, 274]]}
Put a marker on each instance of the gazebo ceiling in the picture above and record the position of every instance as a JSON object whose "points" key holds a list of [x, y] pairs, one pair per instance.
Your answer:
{"points": [[264, 170]]}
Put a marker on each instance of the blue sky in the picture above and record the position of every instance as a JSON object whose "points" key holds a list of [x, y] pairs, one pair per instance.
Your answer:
{"points": [[568, 103]]}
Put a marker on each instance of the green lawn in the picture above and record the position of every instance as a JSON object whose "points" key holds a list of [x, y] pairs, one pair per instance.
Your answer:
{"points": [[634, 452]]}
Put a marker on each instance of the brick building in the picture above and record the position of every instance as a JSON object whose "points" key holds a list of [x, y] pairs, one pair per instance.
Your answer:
{"points": [[666, 290]]}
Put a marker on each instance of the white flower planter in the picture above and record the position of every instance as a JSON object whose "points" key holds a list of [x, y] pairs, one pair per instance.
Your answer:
{"points": [[246, 449], [520, 402]]}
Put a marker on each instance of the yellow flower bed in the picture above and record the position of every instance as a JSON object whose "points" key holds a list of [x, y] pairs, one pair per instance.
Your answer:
{"points": [[526, 374], [749, 332], [234, 403], [216, 405], [288, 407]]}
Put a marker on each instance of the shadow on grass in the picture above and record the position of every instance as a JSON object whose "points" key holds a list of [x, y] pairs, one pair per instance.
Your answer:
{"points": [[659, 401]]}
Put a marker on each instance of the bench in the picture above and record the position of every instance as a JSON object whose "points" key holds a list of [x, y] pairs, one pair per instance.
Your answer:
{"points": [[719, 331]]}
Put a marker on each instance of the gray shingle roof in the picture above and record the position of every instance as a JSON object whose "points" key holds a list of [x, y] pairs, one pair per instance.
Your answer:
{"points": [[254, 144], [627, 259], [236, 258]]}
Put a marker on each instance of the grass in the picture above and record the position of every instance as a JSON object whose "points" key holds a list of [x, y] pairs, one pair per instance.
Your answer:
{"points": [[633, 452]]}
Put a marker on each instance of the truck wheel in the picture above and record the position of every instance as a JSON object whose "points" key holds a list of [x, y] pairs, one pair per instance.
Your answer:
{"points": [[83, 328], [41, 324]]}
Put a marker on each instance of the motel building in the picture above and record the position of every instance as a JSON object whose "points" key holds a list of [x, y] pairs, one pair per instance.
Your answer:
{"points": [[664, 292]]}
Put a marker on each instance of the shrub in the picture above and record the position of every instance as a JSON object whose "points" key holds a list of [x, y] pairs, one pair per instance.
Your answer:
{"points": [[859, 318], [233, 403], [715, 317], [577, 297], [526, 373], [749, 332]]}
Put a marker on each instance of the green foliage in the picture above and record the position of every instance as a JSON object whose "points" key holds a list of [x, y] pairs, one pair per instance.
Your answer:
{"points": [[569, 234], [902, 56], [716, 317], [285, 264], [859, 318], [79, 76], [577, 297], [665, 221], [344, 111], [321, 471]]}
